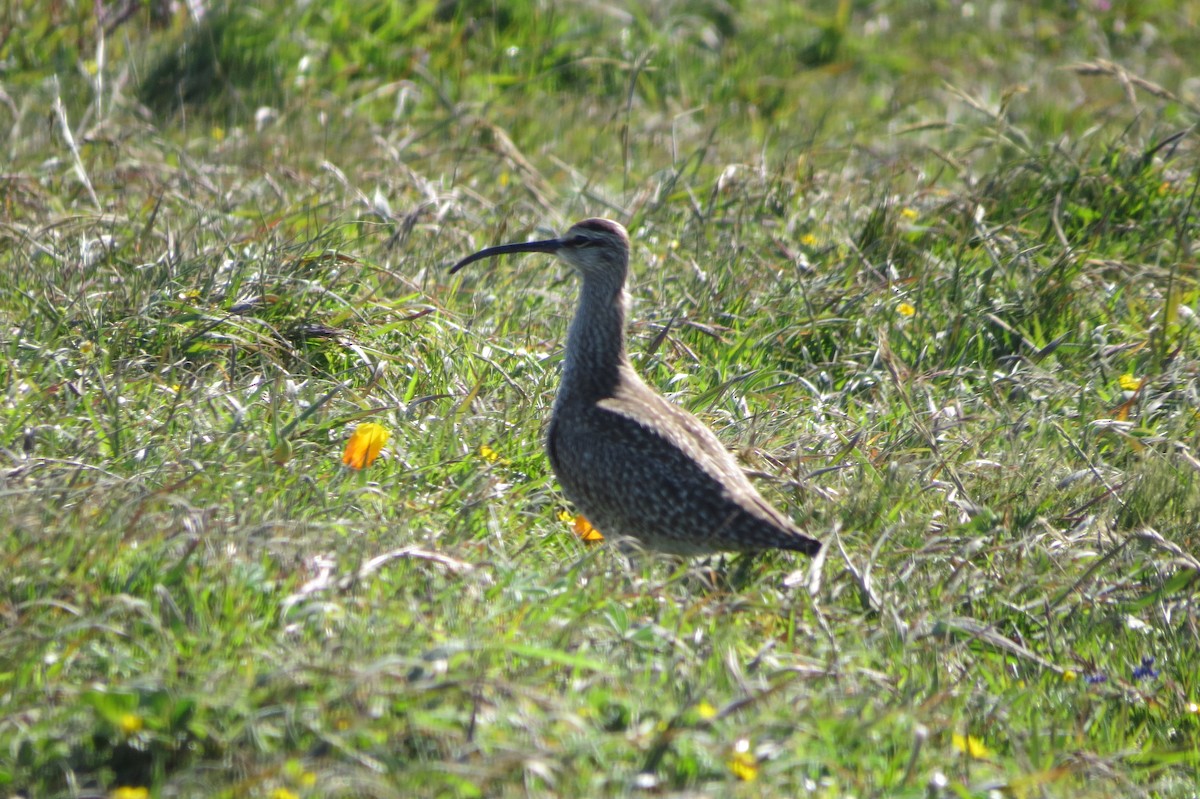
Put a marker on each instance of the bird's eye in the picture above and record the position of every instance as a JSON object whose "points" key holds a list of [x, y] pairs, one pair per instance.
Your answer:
{"points": [[583, 241]]}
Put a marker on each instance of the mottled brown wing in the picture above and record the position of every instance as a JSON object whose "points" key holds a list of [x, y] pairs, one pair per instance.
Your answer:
{"points": [[641, 467]]}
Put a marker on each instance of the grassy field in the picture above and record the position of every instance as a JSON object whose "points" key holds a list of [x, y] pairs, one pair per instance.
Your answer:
{"points": [[928, 267]]}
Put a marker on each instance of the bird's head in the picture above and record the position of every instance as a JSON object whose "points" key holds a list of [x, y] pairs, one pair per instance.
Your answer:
{"points": [[595, 248]]}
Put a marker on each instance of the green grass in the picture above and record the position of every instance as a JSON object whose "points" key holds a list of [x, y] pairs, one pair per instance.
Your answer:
{"points": [[928, 268]]}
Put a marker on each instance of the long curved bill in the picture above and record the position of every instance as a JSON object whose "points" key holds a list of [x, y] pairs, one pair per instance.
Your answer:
{"points": [[548, 245]]}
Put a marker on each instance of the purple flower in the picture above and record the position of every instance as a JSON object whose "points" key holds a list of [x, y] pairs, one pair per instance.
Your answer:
{"points": [[1146, 671], [1096, 677]]}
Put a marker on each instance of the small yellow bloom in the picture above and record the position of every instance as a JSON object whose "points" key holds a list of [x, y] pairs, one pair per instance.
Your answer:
{"points": [[283, 793], [909, 213], [970, 746], [585, 531], [127, 792], [706, 711], [488, 454], [808, 240], [307, 779], [566, 516], [86, 348], [218, 133], [742, 763], [131, 723], [364, 445], [905, 309], [1129, 383], [1069, 676], [1164, 187]]}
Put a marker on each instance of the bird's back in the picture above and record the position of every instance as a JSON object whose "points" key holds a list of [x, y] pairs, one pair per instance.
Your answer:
{"points": [[637, 466]]}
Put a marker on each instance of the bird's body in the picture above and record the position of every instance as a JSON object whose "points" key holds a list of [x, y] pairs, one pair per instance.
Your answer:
{"points": [[635, 465]]}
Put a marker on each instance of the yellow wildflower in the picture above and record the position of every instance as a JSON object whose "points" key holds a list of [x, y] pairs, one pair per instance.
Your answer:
{"points": [[970, 746], [742, 762], [492, 456], [364, 445], [905, 309], [808, 240], [706, 711], [585, 531], [1129, 383], [128, 792], [909, 213], [1069, 676], [131, 723], [283, 793]]}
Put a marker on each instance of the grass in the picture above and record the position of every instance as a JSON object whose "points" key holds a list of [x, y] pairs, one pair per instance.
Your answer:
{"points": [[927, 267]]}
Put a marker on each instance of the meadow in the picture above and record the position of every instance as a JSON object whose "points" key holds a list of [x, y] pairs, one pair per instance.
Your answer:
{"points": [[927, 267]]}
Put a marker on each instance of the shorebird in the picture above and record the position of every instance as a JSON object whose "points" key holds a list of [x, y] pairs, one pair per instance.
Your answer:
{"points": [[635, 465]]}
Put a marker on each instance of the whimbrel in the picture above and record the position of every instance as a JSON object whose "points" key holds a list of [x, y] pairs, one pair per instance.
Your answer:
{"points": [[633, 464]]}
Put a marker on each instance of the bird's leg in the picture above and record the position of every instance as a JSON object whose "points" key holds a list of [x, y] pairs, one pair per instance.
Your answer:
{"points": [[742, 576], [709, 574]]}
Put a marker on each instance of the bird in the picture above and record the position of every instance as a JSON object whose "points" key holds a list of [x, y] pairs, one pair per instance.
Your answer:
{"points": [[640, 469]]}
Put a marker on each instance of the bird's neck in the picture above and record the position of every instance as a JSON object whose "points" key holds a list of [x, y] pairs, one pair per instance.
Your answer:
{"points": [[596, 342]]}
